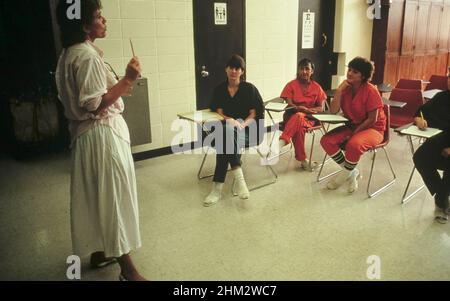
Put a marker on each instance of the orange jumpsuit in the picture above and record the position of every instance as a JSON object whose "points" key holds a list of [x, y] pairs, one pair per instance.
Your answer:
{"points": [[295, 125], [356, 109]]}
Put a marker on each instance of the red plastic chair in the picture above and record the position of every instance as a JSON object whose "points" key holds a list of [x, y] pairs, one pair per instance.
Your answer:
{"points": [[437, 82], [405, 115], [414, 84]]}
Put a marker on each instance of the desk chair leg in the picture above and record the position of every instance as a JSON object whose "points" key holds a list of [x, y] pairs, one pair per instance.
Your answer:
{"points": [[373, 194], [269, 158], [311, 150], [405, 198], [325, 160], [199, 176]]}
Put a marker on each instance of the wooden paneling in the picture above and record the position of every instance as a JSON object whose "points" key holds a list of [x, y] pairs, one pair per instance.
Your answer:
{"points": [[420, 34], [433, 28], [444, 29], [416, 68], [417, 40], [409, 24], [448, 62], [404, 66], [441, 63], [394, 36], [391, 69], [430, 66]]}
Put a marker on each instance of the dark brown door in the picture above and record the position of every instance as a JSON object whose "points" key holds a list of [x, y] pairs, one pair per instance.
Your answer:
{"points": [[219, 31], [322, 52]]}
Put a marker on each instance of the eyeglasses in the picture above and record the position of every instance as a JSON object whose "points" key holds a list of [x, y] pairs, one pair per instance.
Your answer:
{"points": [[111, 69]]}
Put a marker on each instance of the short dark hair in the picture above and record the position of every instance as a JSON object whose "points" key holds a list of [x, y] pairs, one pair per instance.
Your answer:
{"points": [[72, 31], [305, 62], [363, 65], [236, 61]]}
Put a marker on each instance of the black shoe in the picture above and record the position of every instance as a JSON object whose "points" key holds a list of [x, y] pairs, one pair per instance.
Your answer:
{"points": [[98, 260]]}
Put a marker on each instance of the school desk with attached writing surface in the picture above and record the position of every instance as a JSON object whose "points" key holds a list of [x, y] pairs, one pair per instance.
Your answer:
{"points": [[410, 130]]}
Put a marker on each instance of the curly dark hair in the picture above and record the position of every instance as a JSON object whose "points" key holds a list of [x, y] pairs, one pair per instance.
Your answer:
{"points": [[363, 65], [72, 31]]}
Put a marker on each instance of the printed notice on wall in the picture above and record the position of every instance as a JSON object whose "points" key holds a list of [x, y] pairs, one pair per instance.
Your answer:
{"points": [[308, 30], [220, 13]]}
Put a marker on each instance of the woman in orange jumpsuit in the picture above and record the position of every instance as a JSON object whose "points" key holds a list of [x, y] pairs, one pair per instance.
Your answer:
{"points": [[362, 106], [306, 97]]}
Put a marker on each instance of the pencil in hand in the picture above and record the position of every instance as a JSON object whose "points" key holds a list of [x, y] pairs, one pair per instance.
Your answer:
{"points": [[132, 48], [423, 125]]}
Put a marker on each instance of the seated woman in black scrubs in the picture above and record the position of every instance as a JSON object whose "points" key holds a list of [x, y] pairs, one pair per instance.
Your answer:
{"points": [[241, 106]]}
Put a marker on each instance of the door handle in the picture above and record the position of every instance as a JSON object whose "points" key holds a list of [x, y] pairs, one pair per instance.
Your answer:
{"points": [[325, 39], [204, 73]]}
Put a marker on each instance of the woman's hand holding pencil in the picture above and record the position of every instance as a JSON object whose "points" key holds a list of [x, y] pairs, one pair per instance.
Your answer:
{"points": [[420, 122]]}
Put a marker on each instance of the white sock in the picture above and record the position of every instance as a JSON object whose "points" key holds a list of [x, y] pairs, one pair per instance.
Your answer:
{"points": [[217, 187], [240, 185]]}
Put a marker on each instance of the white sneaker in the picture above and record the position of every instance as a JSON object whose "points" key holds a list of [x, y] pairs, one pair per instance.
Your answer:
{"points": [[212, 198], [240, 188], [305, 165], [340, 179], [355, 175]]}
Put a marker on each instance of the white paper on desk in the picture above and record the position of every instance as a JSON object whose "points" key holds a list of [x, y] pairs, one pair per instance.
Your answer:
{"points": [[430, 93], [415, 131], [276, 106], [201, 116], [329, 118]]}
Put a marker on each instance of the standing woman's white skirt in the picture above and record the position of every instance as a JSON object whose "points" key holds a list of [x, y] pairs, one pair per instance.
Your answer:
{"points": [[104, 206]]}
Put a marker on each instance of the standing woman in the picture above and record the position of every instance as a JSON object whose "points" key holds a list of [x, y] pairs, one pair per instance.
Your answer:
{"points": [[362, 106], [104, 206], [241, 106], [306, 97]]}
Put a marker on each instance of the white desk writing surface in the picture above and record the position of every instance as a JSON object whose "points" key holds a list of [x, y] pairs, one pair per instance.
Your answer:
{"points": [[429, 94], [201, 116], [413, 130], [393, 103], [276, 106], [330, 118]]}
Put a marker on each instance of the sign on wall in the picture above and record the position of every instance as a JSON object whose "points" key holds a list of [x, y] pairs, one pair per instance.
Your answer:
{"points": [[220, 13], [308, 30]]}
